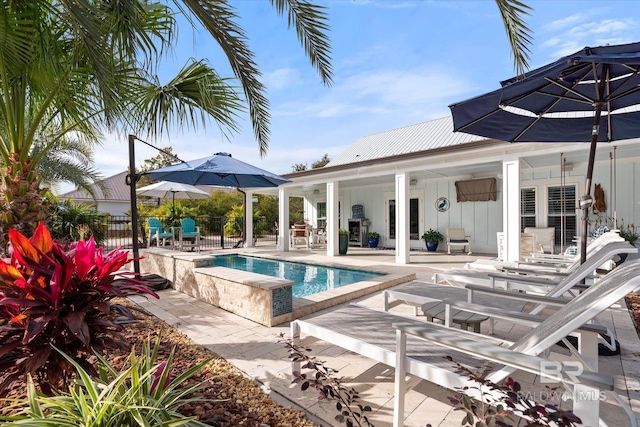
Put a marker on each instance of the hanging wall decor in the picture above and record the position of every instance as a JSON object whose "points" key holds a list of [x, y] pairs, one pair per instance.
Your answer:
{"points": [[442, 204]]}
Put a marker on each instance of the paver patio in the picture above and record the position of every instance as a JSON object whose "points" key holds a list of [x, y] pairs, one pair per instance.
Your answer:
{"points": [[253, 349]]}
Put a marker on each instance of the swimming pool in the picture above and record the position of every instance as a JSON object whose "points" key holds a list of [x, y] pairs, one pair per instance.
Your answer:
{"points": [[308, 279]]}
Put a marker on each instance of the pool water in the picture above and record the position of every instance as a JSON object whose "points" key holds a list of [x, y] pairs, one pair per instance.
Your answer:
{"points": [[308, 279]]}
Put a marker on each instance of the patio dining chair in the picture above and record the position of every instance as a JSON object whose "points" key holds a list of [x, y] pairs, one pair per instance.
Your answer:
{"points": [[189, 234], [300, 235], [320, 237], [157, 232]]}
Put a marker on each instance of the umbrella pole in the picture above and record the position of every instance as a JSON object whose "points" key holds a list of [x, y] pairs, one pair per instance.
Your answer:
{"points": [[133, 178], [586, 201], [173, 206], [244, 214]]}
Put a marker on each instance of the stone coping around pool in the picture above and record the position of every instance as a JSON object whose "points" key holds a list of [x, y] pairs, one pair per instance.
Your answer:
{"points": [[263, 299]]}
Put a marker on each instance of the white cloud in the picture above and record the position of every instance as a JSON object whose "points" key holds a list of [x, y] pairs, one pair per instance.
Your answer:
{"points": [[591, 27], [561, 24], [282, 78], [385, 91]]}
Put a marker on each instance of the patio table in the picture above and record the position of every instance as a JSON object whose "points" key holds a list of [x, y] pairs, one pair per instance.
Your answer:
{"points": [[436, 310]]}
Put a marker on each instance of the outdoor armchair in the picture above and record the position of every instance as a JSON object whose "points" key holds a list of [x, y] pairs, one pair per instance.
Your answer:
{"points": [[545, 238], [189, 235], [157, 232], [457, 237]]}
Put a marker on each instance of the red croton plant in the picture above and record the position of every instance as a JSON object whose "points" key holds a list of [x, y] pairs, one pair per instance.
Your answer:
{"points": [[54, 301]]}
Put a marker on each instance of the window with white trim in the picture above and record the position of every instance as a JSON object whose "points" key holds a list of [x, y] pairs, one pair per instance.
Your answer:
{"points": [[321, 211], [527, 208], [561, 213]]}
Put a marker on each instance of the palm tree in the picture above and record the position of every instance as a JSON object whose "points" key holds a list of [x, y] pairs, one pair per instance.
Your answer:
{"points": [[70, 70]]}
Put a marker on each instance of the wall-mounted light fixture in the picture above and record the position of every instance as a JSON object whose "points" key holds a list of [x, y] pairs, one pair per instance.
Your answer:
{"points": [[316, 191], [413, 182]]}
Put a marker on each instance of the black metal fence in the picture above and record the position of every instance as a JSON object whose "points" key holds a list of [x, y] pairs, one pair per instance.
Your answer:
{"points": [[115, 231]]}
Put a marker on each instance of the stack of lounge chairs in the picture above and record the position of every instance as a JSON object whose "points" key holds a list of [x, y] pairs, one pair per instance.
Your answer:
{"points": [[560, 306]]}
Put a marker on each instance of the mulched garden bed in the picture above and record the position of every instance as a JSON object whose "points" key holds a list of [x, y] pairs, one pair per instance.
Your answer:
{"points": [[231, 398]]}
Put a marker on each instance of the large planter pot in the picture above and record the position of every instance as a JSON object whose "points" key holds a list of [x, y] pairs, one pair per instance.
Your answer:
{"points": [[343, 244], [432, 246], [373, 243]]}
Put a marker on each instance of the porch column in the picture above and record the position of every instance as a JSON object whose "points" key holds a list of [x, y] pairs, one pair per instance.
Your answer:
{"points": [[283, 219], [248, 219], [511, 208], [333, 188], [402, 218]]}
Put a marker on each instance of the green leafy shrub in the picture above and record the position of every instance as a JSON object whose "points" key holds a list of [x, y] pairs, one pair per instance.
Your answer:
{"points": [[233, 226], [52, 298], [142, 393], [71, 222]]}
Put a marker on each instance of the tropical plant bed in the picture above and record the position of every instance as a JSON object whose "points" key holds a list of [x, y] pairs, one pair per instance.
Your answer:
{"points": [[633, 303], [243, 403]]}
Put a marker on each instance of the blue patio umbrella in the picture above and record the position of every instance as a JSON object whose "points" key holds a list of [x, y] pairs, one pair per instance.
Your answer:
{"points": [[590, 96], [220, 170]]}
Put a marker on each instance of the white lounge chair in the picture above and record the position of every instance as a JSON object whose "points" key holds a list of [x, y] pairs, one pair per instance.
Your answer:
{"points": [[371, 333], [483, 275], [564, 286]]}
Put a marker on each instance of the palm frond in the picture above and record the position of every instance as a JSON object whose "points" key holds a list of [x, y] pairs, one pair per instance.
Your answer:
{"points": [[519, 34], [311, 23], [69, 160], [187, 101], [141, 27], [218, 17]]}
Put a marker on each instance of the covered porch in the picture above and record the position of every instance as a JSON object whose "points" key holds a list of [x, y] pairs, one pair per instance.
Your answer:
{"points": [[400, 194]]}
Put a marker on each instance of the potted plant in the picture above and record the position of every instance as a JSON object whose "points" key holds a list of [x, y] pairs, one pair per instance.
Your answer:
{"points": [[431, 238], [373, 239], [343, 242], [630, 234]]}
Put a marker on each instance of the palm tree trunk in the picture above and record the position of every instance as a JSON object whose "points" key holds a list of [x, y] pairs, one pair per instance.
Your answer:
{"points": [[21, 199]]}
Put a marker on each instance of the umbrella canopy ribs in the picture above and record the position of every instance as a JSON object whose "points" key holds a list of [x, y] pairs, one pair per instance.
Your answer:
{"points": [[590, 96]]}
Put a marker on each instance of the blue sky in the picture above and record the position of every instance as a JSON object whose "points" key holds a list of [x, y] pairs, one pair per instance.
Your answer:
{"points": [[395, 62]]}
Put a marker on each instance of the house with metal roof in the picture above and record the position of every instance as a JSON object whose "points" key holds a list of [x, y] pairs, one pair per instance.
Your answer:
{"points": [[403, 182], [115, 199]]}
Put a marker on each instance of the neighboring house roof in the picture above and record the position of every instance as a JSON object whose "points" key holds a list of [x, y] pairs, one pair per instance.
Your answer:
{"points": [[116, 190], [423, 136]]}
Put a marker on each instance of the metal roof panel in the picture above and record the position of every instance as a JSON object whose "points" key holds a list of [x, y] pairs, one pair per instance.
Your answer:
{"points": [[423, 136]]}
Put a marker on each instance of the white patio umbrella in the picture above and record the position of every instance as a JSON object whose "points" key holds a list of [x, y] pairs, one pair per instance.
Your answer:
{"points": [[178, 190]]}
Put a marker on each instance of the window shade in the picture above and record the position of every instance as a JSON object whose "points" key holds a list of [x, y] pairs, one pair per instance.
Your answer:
{"points": [[476, 190]]}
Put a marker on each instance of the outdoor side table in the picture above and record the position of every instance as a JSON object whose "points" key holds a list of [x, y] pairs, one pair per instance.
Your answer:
{"points": [[436, 310]]}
